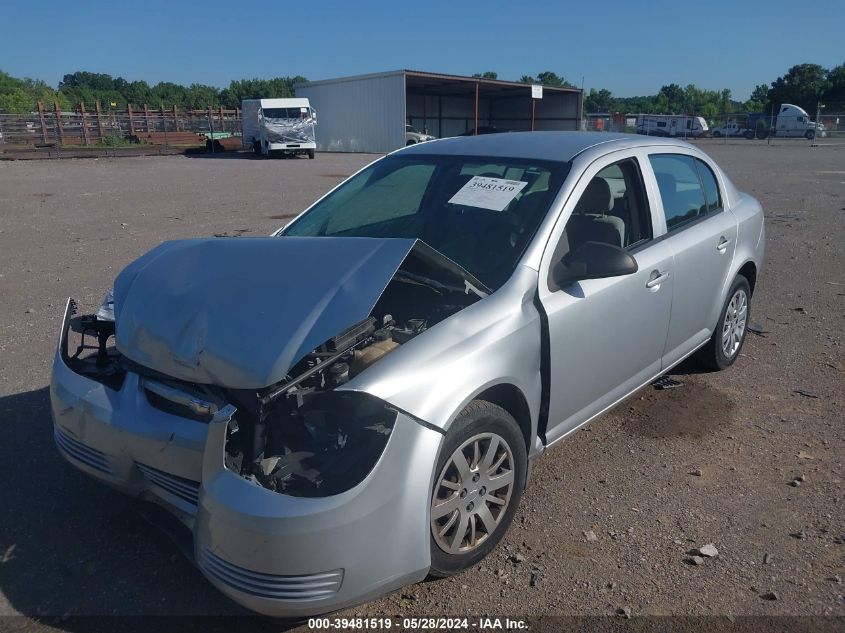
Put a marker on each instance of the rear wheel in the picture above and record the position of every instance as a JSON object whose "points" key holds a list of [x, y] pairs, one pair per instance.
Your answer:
{"points": [[724, 345], [411, 142], [479, 479], [810, 135], [716, 134]]}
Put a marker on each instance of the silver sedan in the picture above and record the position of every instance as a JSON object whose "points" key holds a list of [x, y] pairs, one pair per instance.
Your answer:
{"points": [[352, 404]]}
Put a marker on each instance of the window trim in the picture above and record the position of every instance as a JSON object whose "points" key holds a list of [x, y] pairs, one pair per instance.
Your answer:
{"points": [[721, 206]]}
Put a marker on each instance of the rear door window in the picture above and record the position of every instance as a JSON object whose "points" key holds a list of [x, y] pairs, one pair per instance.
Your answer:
{"points": [[680, 189]]}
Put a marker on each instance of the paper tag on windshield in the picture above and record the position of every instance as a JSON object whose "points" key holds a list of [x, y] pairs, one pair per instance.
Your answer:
{"points": [[488, 193]]}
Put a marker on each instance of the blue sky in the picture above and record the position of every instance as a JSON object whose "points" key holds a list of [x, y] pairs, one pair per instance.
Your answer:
{"points": [[629, 48]]}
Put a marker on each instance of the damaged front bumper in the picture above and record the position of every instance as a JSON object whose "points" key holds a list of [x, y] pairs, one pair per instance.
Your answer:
{"points": [[275, 554]]}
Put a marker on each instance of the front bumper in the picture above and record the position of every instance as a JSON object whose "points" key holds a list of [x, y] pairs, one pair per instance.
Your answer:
{"points": [[291, 145], [274, 554]]}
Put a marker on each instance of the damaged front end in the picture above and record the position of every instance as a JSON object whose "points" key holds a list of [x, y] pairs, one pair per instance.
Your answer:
{"points": [[308, 436], [300, 428]]}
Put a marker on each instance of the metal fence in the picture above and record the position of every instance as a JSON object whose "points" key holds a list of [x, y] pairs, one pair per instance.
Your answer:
{"points": [[169, 127], [813, 130], [823, 128]]}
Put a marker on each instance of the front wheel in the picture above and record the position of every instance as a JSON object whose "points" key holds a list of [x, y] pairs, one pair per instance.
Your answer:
{"points": [[311, 154], [724, 345], [810, 135], [479, 479], [717, 134]]}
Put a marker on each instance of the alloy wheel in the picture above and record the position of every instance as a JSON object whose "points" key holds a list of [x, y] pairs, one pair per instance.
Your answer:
{"points": [[733, 328], [472, 493]]}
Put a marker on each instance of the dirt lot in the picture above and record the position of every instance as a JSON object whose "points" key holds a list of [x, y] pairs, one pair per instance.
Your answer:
{"points": [[666, 471]]}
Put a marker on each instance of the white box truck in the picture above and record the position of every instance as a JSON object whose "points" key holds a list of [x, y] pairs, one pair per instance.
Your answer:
{"points": [[672, 125], [279, 126]]}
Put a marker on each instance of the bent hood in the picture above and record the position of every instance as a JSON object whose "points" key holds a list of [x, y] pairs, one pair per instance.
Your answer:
{"points": [[239, 312]]}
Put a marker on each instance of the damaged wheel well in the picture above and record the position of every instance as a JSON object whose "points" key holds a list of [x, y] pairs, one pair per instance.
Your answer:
{"points": [[511, 399]]}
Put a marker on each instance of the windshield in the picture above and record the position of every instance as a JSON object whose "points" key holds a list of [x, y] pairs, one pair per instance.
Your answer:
{"points": [[480, 212], [411, 128], [284, 113]]}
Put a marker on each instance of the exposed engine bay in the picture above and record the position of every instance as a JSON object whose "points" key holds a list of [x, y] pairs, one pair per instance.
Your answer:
{"points": [[300, 436]]}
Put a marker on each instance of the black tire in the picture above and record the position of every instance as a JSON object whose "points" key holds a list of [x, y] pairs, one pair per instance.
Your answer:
{"points": [[256, 147], [480, 417], [810, 135], [712, 355], [717, 134], [311, 154], [411, 142]]}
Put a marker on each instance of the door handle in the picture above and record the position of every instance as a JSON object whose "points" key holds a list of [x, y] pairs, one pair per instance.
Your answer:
{"points": [[723, 244], [657, 280]]}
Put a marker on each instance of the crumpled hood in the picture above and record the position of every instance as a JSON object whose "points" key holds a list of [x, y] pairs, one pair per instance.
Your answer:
{"points": [[240, 312]]}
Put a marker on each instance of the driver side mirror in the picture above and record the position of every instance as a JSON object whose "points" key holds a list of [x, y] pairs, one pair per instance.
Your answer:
{"points": [[593, 260]]}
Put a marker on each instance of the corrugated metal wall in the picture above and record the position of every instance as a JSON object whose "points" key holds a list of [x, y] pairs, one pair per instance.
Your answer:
{"points": [[359, 114]]}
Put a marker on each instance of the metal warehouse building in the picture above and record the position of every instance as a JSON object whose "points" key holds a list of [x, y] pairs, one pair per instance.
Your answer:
{"points": [[368, 113]]}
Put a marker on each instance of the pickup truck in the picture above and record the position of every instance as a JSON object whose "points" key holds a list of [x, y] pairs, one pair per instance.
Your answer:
{"points": [[732, 129]]}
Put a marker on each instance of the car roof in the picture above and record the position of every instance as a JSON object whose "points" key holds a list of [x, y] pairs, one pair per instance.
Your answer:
{"points": [[556, 146]]}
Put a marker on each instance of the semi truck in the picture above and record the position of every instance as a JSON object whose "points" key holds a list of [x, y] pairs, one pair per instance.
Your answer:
{"points": [[790, 121], [672, 125], [279, 126]]}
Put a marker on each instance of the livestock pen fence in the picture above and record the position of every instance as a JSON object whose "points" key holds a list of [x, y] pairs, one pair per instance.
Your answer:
{"points": [[96, 127]]}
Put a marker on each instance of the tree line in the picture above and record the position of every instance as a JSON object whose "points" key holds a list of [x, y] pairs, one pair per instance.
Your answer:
{"points": [[804, 85], [21, 95]]}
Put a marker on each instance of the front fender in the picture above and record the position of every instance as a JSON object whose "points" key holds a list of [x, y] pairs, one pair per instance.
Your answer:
{"points": [[492, 342]]}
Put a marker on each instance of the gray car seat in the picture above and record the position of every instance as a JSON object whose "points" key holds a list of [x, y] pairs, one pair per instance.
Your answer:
{"points": [[590, 221]]}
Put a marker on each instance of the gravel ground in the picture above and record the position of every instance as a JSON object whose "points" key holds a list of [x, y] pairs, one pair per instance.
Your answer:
{"points": [[668, 471]]}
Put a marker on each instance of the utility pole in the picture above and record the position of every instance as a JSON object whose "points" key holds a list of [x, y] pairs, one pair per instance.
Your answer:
{"points": [[819, 107]]}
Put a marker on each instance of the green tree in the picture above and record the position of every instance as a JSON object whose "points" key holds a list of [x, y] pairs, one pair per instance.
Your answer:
{"points": [[803, 85], [487, 75], [548, 78], [527, 79], [601, 100], [674, 98], [199, 96], [834, 96], [22, 95]]}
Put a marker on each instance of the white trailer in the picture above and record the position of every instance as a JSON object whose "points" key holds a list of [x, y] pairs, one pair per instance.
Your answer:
{"points": [[281, 126], [672, 125]]}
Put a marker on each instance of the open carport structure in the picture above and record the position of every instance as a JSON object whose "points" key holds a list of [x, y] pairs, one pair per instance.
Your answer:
{"points": [[368, 113]]}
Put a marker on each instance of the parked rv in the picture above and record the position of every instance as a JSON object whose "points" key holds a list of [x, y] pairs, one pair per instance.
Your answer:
{"points": [[732, 129], [790, 121], [672, 125], [279, 126]]}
